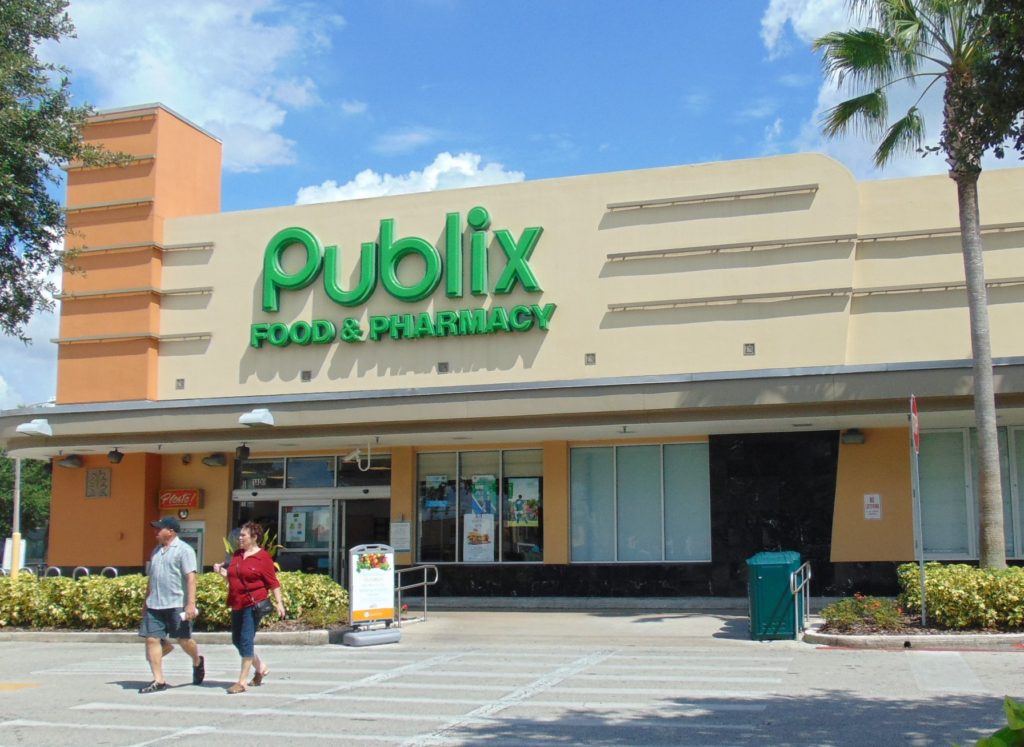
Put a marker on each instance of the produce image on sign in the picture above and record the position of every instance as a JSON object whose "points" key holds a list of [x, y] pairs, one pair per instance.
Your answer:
{"points": [[371, 584]]}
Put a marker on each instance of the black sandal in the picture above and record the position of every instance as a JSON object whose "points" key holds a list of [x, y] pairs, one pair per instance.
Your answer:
{"points": [[153, 687]]}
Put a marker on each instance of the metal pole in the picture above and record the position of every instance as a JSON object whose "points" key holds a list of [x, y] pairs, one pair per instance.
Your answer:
{"points": [[16, 522], [916, 491]]}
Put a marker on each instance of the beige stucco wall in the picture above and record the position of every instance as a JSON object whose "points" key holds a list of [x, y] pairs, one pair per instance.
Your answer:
{"points": [[807, 328]]}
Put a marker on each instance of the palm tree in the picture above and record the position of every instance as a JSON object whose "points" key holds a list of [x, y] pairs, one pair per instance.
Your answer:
{"points": [[933, 42]]}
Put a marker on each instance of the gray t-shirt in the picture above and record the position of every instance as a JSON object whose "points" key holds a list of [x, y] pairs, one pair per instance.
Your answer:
{"points": [[168, 573]]}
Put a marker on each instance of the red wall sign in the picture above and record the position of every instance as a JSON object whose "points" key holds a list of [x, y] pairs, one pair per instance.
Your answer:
{"points": [[173, 500]]}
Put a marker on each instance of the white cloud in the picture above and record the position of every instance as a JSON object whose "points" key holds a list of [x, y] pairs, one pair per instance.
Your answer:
{"points": [[808, 19], [352, 107], [772, 136], [405, 141], [759, 109], [697, 102], [446, 172], [234, 68]]}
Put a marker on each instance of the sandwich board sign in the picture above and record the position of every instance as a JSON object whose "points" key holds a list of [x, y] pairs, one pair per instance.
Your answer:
{"points": [[371, 594]]}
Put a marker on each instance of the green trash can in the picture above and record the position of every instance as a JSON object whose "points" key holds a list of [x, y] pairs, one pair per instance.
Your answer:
{"points": [[773, 607]]}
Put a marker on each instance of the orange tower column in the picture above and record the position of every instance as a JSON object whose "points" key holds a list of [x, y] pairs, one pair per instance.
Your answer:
{"points": [[110, 305], [108, 349]]}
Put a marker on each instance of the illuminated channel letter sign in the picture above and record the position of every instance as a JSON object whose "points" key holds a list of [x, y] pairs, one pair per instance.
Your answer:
{"points": [[378, 266]]}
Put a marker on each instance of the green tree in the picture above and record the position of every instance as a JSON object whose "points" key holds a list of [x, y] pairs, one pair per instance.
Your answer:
{"points": [[35, 495], [937, 43], [1001, 81], [40, 131]]}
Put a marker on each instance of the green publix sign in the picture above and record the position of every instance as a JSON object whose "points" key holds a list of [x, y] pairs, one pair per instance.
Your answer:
{"points": [[382, 267]]}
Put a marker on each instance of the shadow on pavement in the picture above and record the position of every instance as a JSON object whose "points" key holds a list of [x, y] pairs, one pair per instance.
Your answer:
{"points": [[827, 717]]}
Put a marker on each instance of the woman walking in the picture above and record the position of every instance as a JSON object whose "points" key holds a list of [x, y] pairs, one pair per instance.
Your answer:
{"points": [[251, 577]]}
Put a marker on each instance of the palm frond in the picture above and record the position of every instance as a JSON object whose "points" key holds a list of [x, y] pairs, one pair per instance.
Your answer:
{"points": [[864, 57], [867, 112], [904, 136]]}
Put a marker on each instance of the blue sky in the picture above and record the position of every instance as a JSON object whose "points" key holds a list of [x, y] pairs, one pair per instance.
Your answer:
{"points": [[320, 101]]}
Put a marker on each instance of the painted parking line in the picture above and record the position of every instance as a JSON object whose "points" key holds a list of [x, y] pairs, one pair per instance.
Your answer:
{"points": [[943, 671], [10, 687]]}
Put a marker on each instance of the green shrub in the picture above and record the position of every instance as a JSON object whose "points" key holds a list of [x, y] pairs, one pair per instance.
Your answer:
{"points": [[962, 597], [95, 602], [313, 598], [19, 599], [859, 614]]}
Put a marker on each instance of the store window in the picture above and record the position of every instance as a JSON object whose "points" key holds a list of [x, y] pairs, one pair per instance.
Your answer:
{"points": [[357, 470], [261, 473], [310, 472], [480, 506], [949, 503], [647, 503]]}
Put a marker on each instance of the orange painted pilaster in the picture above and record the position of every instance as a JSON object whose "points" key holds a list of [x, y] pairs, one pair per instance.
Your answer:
{"points": [[104, 531], [879, 465], [556, 502]]}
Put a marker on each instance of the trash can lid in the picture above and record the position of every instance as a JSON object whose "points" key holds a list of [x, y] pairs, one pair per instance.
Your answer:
{"points": [[785, 557]]}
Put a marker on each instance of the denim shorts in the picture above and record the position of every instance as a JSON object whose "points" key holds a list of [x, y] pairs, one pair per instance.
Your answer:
{"points": [[165, 624], [243, 630]]}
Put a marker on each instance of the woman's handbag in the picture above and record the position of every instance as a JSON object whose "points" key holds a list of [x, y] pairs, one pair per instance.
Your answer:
{"points": [[260, 608], [263, 607]]}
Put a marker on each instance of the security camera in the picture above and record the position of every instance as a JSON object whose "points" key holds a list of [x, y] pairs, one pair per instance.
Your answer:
{"points": [[254, 494]]}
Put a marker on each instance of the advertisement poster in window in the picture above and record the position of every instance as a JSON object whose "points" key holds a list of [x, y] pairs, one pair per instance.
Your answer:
{"points": [[478, 538], [523, 502], [295, 528], [437, 492], [372, 583], [485, 494]]}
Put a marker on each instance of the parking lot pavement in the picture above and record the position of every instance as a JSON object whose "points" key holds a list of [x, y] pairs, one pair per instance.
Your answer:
{"points": [[513, 678]]}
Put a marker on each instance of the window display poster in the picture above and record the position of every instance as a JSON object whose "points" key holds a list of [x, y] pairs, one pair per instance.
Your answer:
{"points": [[478, 538], [295, 527], [485, 494], [437, 491], [523, 502], [371, 584]]}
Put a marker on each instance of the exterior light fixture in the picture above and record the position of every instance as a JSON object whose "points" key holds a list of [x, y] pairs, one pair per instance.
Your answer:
{"points": [[242, 453], [115, 456], [853, 436], [71, 461], [186, 459], [261, 416], [37, 427], [215, 460]]}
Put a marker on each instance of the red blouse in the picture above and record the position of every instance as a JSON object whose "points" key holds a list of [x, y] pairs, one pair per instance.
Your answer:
{"points": [[250, 579]]}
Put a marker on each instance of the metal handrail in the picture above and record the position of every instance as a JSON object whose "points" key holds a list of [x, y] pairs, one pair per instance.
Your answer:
{"points": [[52, 568], [423, 583], [75, 573], [800, 583]]}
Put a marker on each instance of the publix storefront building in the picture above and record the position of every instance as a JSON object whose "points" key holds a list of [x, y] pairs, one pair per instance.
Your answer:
{"points": [[616, 384]]}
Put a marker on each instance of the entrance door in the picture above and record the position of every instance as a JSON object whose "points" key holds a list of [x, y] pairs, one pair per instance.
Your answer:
{"points": [[358, 521]]}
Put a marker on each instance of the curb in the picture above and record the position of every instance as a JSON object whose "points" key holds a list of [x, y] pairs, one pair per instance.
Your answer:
{"points": [[955, 641]]}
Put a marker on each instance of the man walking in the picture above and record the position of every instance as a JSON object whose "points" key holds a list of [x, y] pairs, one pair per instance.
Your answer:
{"points": [[170, 604]]}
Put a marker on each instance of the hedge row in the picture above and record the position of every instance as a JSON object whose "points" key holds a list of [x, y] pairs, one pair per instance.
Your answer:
{"points": [[97, 602], [962, 597]]}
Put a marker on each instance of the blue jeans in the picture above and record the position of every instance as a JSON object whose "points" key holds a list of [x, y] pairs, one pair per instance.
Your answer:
{"points": [[243, 630]]}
